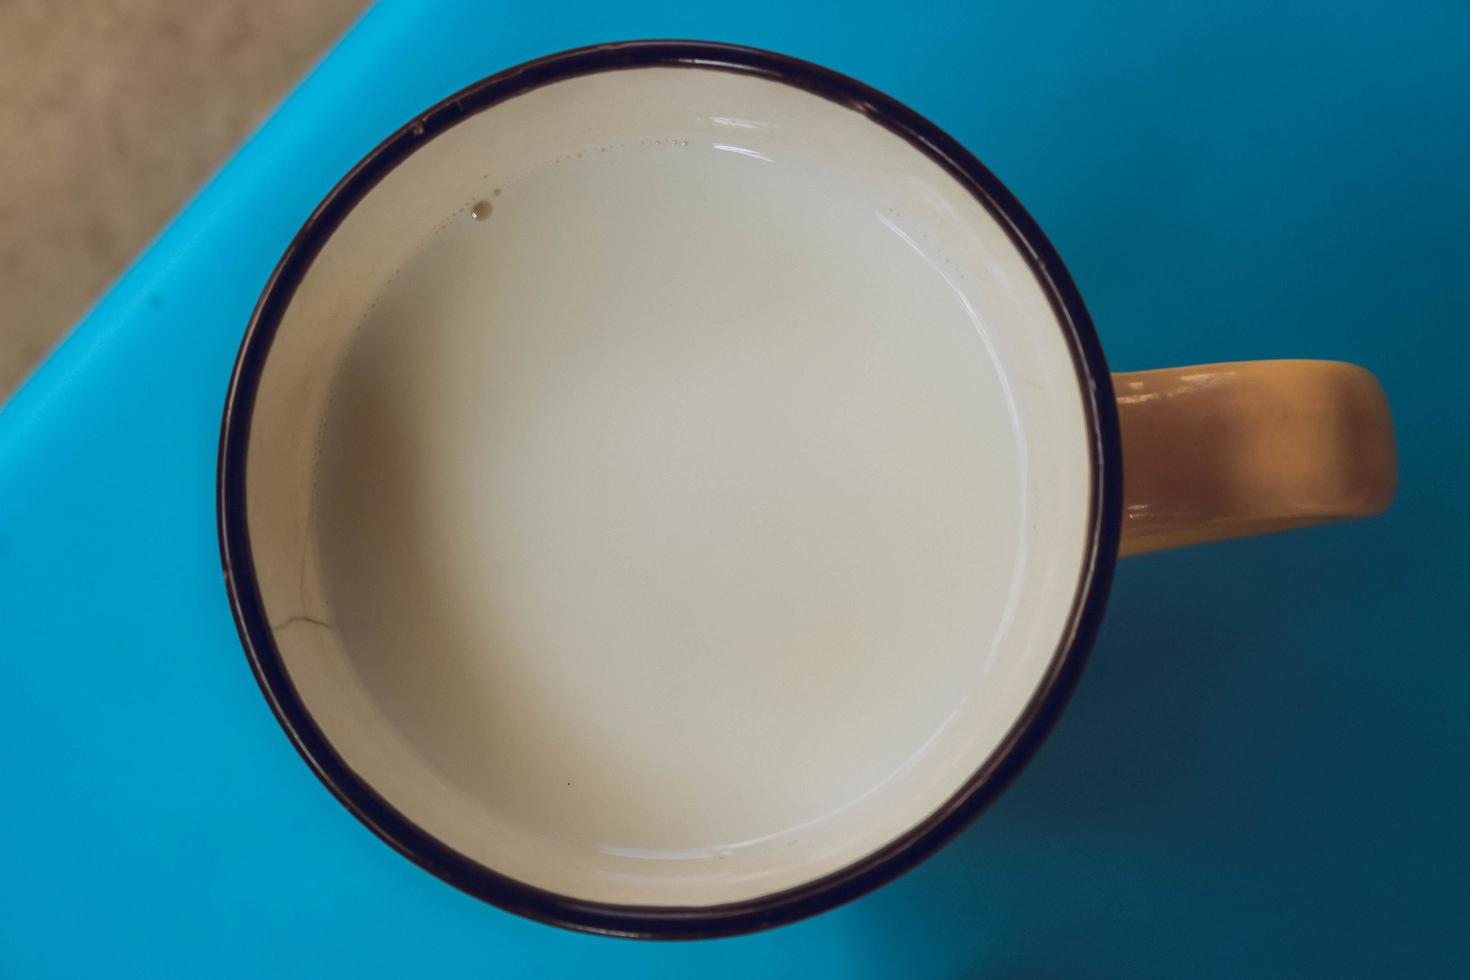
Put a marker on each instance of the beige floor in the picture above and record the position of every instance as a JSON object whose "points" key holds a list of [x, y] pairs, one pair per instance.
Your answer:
{"points": [[113, 112]]}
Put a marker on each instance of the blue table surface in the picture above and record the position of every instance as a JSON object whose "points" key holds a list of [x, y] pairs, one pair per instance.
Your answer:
{"points": [[1264, 771]]}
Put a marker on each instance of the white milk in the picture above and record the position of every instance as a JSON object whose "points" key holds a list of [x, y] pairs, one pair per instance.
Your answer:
{"points": [[673, 506]]}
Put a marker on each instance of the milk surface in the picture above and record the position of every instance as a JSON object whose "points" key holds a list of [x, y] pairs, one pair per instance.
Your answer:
{"points": [[669, 504]]}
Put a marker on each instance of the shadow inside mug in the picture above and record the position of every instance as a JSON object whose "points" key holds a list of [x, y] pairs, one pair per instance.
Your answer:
{"points": [[416, 631]]}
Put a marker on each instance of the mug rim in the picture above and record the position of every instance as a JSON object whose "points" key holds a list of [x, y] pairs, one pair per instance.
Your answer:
{"points": [[871, 870]]}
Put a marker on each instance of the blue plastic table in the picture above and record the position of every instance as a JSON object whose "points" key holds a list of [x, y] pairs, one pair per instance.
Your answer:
{"points": [[1265, 769]]}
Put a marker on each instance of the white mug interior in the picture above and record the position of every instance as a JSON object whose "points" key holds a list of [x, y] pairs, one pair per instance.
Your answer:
{"points": [[468, 634]]}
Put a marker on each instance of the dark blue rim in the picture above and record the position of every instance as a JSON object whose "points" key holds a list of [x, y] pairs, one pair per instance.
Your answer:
{"points": [[660, 922]]}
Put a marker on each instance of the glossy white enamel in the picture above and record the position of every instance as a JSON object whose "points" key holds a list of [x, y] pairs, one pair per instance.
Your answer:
{"points": [[693, 524]]}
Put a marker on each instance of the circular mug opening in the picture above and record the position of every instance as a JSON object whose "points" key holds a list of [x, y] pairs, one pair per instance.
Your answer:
{"points": [[661, 490]]}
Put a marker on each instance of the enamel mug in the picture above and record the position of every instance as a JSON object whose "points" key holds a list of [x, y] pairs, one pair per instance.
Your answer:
{"points": [[668, 489]]}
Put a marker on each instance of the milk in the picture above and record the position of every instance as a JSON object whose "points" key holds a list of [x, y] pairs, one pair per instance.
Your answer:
{"points": [[668, 504]]}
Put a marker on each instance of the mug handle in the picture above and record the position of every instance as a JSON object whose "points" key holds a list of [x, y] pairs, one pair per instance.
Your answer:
{"points": [[1232, 450]]}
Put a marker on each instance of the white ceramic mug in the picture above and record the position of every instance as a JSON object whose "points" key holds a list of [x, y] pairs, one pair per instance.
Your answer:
{"points": [[667, 489]]}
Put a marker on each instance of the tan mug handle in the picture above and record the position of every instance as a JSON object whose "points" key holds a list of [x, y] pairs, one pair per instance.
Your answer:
{"points": [[1222, 451]]}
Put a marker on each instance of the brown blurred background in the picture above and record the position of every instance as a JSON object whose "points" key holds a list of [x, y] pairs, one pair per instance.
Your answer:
{"points": [[112, 113]]}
